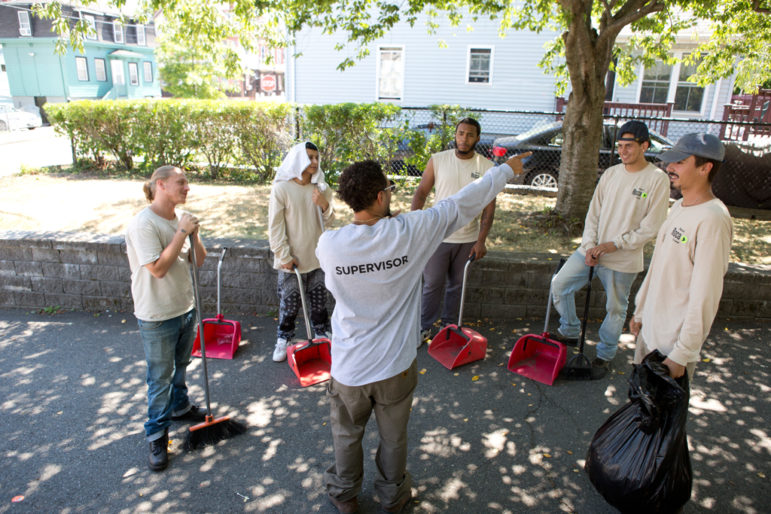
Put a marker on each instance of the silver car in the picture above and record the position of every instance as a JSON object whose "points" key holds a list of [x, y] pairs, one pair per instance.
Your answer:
{"points": [[12, 118]]}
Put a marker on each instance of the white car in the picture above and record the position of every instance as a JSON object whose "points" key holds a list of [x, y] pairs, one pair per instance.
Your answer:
{"points": [[12, 118]]}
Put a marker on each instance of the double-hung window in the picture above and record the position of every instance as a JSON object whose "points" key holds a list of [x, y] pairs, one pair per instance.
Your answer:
{"points": [[133, 74], [480, 65], [147, 68], [117, 31], [141, 40], [91, 21], [81, 64], [100, 69], [25, 28], [663, 83], [390, 79]]}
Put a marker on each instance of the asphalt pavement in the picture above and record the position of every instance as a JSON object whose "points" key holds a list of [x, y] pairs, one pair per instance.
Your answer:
{"points": [[481, 439]]}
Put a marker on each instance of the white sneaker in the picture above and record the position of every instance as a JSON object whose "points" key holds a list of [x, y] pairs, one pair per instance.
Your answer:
{"points": [[279, 352], [323, 335]]}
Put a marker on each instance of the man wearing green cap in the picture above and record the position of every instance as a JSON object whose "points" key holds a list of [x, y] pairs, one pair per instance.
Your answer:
{"points": [[679, 298]]}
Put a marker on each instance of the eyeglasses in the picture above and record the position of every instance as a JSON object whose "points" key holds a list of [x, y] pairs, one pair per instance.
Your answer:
{"points": [[391, 186]]}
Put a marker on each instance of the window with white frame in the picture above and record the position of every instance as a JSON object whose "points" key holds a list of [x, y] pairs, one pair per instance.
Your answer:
{"points": [[147, 68], [91, 21], [141, 40], [655, 84], [133, 74], [81, 64], [480, 65], [117, 31], [25, 28], [100, 69], [663, 83], [688, 95], [390, 80]]}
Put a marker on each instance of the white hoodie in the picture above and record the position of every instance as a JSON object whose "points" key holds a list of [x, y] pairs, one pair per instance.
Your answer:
{"points": [[374, 274]]}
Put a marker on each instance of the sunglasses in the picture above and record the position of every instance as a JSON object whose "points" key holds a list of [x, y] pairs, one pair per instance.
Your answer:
{"points": [[391, 186]]}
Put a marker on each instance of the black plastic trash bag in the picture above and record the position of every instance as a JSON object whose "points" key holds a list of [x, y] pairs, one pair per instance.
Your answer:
{"points": [[638, 460]]}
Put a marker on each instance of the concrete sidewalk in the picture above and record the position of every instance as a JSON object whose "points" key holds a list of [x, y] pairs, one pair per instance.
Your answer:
{"points": [[482, 439]]}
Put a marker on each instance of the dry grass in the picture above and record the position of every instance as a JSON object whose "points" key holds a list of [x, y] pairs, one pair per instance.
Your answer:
{"points": [[77, 203]]}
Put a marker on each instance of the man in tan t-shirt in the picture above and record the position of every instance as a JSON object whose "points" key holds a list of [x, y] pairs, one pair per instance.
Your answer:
{"points": [[448, 172], [627, 208], [158, 248], [678, 300]]}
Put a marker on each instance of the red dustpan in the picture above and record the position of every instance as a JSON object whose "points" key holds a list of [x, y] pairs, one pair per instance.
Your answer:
{"points": [[221, 335], [456, 345], [537, 356], [311, 360]]}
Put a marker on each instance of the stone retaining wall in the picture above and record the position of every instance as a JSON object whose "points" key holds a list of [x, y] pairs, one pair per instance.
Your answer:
{"points": [[91, 273]]}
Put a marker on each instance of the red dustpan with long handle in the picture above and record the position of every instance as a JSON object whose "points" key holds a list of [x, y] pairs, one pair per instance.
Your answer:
{"points": [[311, 360], [456, 345], [537, 356], [221, 335]]}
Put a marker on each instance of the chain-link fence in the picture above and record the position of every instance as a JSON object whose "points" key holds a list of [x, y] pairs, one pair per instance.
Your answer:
{"points": [[744, 179]]}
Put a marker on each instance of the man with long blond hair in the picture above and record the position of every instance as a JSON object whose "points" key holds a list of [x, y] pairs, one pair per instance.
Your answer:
{"points": [[158, 247]]}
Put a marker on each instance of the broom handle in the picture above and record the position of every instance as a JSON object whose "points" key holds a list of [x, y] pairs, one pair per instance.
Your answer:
{"points": [[194, 263], [586, 310], [302, 300], [219, 271], [463, 290]]}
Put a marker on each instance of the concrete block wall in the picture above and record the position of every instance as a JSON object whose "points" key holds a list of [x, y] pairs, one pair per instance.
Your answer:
{"points": [[90, 272]]}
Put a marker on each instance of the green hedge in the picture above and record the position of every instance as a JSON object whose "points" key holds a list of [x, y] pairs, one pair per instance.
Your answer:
{"points": [[242, 140]]}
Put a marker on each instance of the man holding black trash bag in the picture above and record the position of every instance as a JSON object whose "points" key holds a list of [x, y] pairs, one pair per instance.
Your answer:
{"points": [[678, 300], [372, 267]]}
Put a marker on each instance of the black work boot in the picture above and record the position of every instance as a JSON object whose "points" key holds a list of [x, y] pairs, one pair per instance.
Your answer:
{"points": [[159, 453]]}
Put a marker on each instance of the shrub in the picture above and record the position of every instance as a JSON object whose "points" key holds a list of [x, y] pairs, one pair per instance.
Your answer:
{"points": [[350, 132]]}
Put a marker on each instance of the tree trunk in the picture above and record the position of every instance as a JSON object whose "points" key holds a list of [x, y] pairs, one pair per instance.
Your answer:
{"points": [[587, 58]]}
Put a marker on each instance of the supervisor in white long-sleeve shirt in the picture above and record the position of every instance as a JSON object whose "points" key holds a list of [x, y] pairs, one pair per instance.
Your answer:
{"points": [[679, 298], [372, 267]]}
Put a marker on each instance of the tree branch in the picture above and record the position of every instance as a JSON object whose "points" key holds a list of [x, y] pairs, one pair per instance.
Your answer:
{"points": [[757, 8]]}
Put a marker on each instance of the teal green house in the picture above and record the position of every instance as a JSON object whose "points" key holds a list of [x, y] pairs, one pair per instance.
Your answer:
{"points": [[117, 60]]}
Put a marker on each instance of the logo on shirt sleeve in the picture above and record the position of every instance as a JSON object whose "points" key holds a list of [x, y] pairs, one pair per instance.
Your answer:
{"points": [[475, 175], [639, 193]]}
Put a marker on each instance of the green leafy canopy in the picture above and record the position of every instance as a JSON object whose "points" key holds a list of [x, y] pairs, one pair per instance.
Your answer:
{"points": [[740, 41]]}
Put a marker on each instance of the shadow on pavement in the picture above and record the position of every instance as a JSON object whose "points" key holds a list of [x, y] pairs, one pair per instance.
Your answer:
{"points": [[482, 439]]}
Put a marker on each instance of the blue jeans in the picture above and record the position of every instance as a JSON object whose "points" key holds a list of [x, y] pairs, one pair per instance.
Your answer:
{"points": [[572, 277], [168, 345]]}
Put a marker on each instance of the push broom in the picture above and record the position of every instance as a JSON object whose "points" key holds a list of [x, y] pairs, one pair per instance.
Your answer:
{"points": [[212, 430]]}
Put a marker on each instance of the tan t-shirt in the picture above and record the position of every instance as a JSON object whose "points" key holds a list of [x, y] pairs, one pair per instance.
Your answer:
{"points": [[627, 208], [678, 300], [452, 174], [293, 224], [157, 299]]}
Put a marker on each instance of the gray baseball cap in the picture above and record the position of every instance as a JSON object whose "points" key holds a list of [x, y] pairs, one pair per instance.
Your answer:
{"points": [[703, 145]]}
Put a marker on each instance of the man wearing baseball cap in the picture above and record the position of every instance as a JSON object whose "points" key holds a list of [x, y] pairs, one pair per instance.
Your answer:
{"points": [[628, 207], [678, 300]]}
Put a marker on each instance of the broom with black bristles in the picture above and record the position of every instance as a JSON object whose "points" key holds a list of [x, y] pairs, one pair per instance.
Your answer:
{"points": [[211, 431]]}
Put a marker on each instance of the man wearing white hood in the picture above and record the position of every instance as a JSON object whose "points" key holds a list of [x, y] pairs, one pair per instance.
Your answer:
{"points": [[298, 195]]}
